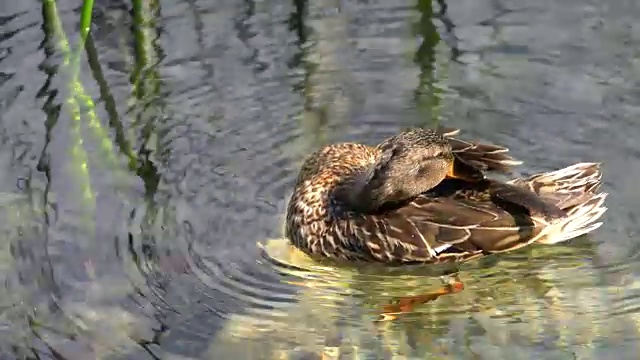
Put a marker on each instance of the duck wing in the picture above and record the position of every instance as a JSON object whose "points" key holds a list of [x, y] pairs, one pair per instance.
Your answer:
{"points": [[456, 222], [483, 157]]}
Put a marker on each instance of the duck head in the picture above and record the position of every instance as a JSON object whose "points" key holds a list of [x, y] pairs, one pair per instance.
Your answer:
{"points": [[406, 165]]}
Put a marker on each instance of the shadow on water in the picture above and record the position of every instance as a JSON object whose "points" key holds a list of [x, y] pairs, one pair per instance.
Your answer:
{"points": [[176, 252]]}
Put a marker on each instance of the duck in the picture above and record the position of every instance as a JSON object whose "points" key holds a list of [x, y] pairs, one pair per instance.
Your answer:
{"points": [[426, 196]]}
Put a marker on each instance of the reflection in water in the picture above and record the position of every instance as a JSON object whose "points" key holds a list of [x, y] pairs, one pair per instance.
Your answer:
{"points": [[314, 117], [525, 302], [109, 102], [198, 27], [427, 95], [220, 103], [449, 35], [145, 79], [147, 106]]}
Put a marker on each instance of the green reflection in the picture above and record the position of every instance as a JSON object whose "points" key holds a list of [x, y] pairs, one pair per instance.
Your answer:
{"points": [[54, 32], [145, 98], [314, 118], [109, 103], [428, 94]]}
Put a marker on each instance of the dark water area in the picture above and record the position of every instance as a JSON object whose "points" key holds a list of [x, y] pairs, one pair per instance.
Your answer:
{"points": [[142, 203]]}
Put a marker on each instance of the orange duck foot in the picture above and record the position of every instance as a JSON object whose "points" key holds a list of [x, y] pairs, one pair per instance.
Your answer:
{"points": [[406, 304]]}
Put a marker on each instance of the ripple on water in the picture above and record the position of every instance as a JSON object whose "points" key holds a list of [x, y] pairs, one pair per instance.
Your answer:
{"points": [[546, 297], [521, 302], [248, 94]]}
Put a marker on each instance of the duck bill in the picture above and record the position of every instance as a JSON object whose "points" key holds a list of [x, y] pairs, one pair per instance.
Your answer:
{"points": [[453, 174], [464, 172]]}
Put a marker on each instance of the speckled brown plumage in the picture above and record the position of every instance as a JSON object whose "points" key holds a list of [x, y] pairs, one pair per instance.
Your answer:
{"points": [[392, 203]]}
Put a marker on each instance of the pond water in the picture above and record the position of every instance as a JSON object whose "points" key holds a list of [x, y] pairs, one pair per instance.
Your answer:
{"points": [[142, 205]]}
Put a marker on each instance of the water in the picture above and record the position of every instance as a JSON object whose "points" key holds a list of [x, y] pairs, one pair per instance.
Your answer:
{"points": [[151, 228]]}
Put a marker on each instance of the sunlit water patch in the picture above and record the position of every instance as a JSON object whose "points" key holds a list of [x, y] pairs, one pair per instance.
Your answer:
{"points": [[548, 300]]}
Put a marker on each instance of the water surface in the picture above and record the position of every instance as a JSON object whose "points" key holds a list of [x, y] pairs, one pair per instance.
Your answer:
{"points": [[132, 232]]}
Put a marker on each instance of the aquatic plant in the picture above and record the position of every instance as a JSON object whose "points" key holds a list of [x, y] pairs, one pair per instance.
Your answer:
{"points": [[81, 105], [77, 98]]}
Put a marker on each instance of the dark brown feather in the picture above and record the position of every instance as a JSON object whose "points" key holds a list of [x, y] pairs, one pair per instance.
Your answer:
{"points": [[484, 157], [454, 221]]}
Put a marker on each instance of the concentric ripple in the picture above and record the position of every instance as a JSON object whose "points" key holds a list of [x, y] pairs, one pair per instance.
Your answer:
{"points": [[229, 198]]}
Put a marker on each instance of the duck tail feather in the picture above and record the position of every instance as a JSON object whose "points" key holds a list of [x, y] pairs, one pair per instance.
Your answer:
{"points": [[575, 190], [575, 179], [580, 220], [482, 156]]}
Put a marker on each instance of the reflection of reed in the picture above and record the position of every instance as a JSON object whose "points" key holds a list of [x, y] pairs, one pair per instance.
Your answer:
{"points": [[149, 109], [109, 101], [245, 33], [51, 110], [145, 81], [52, 113], [427, 95], [76, 95], [314, 118], [198, 26], [30, 245], [146, 87], [321, 33], [449, 29]]}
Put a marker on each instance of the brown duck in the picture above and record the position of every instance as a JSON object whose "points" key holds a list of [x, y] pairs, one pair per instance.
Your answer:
{"points": [[422, 196]]}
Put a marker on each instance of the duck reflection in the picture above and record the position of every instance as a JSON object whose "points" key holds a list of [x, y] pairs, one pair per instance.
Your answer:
{"points": [[515, 301]]}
